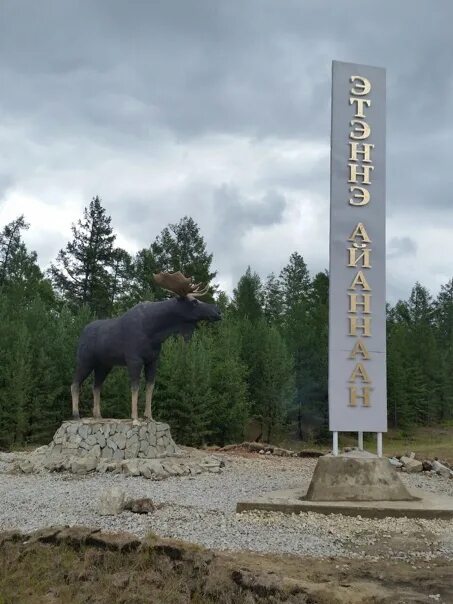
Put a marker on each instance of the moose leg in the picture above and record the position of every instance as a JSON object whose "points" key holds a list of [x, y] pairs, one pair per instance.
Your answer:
{"points": [[81, 374], [150, 373], [135, 368], [100, 373], [75, 392]]}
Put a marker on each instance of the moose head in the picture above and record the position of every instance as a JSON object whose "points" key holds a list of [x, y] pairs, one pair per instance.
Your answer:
{"points": [[188, 308]]}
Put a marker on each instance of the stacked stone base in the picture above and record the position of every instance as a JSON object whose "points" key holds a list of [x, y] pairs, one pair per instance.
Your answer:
{"points": [[117, 446], [113, 439]]}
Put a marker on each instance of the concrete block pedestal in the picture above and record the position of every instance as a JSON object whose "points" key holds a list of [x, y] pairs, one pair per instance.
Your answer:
{"points": [[356, 483]]}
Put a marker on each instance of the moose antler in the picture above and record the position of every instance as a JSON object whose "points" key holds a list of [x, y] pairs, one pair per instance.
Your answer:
{"points": [[178, 284]]}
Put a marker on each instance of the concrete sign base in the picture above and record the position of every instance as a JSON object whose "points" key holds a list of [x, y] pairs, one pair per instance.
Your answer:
{"points": [[356, 476], [354, 484]]}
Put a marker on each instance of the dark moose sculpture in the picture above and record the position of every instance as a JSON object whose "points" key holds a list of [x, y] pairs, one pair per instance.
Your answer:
{"points": [[135, 338]]}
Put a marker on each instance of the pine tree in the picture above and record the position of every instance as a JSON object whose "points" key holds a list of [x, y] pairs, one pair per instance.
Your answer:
{"points": [[10, 245], [248, 297], [274, 391], [121, 276], [19, 268], [273, 300], [229, 408], [181, 247], [183, 395], [295, 280], [142, 287], [82, 272]]}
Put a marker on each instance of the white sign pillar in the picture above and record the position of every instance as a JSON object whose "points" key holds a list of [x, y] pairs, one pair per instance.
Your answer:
{"points": [[357, 308]]}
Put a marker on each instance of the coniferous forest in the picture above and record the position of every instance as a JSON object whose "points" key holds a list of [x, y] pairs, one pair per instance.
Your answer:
{"points": [[264, 365]]}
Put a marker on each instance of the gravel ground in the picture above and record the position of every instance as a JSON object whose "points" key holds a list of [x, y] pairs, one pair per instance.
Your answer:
{"points": [[201, 509]]}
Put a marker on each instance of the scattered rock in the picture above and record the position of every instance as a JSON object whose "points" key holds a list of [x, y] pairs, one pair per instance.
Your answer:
{"points": [[395, 462], [140, 506], [83, 465], [411, 465], [130, 467], [153, 469], [427, 465], [441, 469], [282, 452], [111, 502], [310, 453]]}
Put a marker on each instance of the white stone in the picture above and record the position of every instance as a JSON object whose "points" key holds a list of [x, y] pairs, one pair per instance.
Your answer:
{"points": [[131, 451], [91, 440], [112, 444], [440, 469], [118, 455], [151, 468], [411, 465], [95, 451], [84, 465], [111, 502], [130, 467], [395, 462], [120, 440], [83, 431], [107, 453]]}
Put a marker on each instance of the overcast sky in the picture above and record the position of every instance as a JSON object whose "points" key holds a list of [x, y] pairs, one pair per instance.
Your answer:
{"points": [[220, 109]]}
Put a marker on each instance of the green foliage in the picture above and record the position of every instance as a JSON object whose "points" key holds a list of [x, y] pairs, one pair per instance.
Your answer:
{"points": [[181, 247], [183, 395], [266, 360], [248, 297], [82, 273]]}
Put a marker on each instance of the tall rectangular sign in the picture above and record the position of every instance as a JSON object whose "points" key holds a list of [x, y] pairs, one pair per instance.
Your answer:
{"points": [[357, 314]]}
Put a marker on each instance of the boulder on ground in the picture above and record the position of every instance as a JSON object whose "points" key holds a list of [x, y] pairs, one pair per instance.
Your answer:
{"points": [[395, 462], [131, 467], [411, 465], [140, 506], [111, 502], [441, 469], [427, 465], [83, 465]]}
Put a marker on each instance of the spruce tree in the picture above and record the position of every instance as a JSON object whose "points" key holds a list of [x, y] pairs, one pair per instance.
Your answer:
{"points": [[82, 272], [230, 407], [10, 246], [181, 247], [248, 297], [183, 395], [273, 300], [274, 391]]}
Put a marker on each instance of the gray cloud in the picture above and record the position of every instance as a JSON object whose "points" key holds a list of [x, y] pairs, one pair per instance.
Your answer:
{"points": [[399, 246], [133, 101]]}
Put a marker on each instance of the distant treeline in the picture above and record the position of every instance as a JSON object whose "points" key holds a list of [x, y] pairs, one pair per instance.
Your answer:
{"points": [[264, 364]]}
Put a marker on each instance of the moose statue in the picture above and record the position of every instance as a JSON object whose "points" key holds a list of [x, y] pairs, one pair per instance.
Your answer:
{"points": [[135, 338]]}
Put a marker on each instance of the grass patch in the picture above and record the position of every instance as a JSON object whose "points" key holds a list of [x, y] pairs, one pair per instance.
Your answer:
{"points": [[425, 442]]}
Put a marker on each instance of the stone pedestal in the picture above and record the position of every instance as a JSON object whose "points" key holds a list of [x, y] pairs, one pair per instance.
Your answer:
{"points": [[113, 439], [356, 476], [352, 484]]}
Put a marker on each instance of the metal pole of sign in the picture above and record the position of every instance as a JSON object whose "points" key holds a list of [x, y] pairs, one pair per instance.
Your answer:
{"points": [[360, 441], [379, 444], [335, 443]]}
